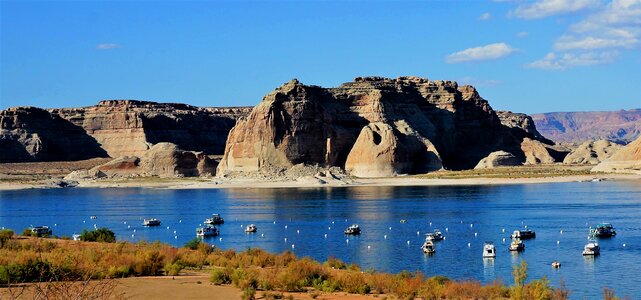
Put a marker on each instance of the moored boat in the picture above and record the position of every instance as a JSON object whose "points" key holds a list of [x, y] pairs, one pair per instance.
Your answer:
{"points": [[251, 228], [592, 249], [41, 231], [489, 251], [151, 222], [603, 230], [516, 245], [428, 247], [215, 219], [523, 234], [353, 229], [206, 231]]}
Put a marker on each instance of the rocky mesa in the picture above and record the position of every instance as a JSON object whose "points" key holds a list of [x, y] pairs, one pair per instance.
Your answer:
{"points": [[376, 126]]}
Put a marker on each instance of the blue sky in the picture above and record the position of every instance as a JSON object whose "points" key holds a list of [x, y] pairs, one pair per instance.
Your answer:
{"points": [[524, 56]]}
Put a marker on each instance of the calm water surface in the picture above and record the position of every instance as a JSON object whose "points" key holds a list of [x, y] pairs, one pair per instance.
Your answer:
{"points": [[465, 214]]}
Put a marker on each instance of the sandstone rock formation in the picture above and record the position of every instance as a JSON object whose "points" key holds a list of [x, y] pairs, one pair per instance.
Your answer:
{"points": [[161, 160], [592, 152], [621, 126], [372, 126], [34, 134], [498, 159], [535, 152], [112, 128], [626, 160], [521, 122], [130, 127]]}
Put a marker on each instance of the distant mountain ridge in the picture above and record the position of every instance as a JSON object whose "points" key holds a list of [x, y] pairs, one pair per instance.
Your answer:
{"points": [[621, 126]]}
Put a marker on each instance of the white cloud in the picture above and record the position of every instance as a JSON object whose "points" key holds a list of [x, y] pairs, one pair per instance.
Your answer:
{"points": [[107, 46], [545, 8], [487, 52], [485, 16], [522, 34], [590, 43], [553, 61]]}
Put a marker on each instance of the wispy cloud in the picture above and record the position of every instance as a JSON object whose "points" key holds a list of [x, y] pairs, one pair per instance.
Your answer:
{"points": [[107, 46], [485, 16], [598, 38], [553, 61], [545, 8], [481, 53], [522, 34]]}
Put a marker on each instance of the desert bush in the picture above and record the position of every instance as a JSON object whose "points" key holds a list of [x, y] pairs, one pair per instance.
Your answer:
{"points": [[193, 244], [5, 236], [102, 235], [219, 276]]}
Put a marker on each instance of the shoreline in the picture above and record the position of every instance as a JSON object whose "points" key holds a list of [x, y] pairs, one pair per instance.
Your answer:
{"points": [[223, 183]]}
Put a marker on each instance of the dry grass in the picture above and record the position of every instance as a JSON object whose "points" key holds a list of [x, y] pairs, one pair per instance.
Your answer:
{"points": [[535, 171]]}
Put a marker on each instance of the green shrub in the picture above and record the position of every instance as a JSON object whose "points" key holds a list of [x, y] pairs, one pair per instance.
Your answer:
{"points": [[249, 293], [173, 269], [193, 244], [103, 235], [5, 235], [219, 276]]}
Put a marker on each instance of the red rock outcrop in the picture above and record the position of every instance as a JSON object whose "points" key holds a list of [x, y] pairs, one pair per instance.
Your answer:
{"points": [[372, 126]]}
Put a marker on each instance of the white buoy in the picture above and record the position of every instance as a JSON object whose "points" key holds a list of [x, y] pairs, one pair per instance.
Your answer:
{"points": [[180, 221], [329, 228], [503, 240], [167, 227], [83, 221], [446, 229], [469, 245], [175, 237], [558, 242], [408, 242], [297, 231], [347, 241], [134, 230], [125, 222], [503, 230], [262, 235], [345, 220], [430, 224], [326, 235], [418, 233], [174, 231], [561, 232], [624, 245], [285, 226], [292, 246], [241, 225], [390, 228], [525, 226], [55, 224], [471, 225], [132, 235], [332, 222], [128, 226], [220, 239], [285, 240], [476, 234], [369, 247], [274, 222], [385, 236]]}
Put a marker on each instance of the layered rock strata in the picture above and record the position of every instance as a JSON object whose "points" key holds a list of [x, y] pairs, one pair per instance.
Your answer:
{"points": [[625, 160], [592, 152], [372, 127]]}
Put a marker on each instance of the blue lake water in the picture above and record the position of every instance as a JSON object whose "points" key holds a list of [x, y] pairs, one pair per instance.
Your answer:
{"points": [[465, 214]]}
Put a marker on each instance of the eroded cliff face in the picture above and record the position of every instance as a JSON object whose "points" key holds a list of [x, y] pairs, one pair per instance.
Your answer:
{"points": [[112, 128], [129, 127], [625, 160], [34, 134], [372, 126]]}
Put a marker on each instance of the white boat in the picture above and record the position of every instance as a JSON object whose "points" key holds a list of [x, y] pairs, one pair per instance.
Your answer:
{"points": [[251, 228], [517, 245], [76, 237], [592, 249], [489, 251], [428, 247], [215, 219], [93, 217], [151, 222], [556, 264], [206, 231], [353, 229]]}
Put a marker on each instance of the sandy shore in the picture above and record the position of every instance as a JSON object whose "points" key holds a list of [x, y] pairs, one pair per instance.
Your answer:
{"points": [[216, 183]]}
